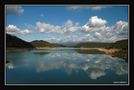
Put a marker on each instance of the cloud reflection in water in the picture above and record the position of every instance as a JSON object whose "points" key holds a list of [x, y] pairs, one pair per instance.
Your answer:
{"points": [[10, 66], [93, 64]]}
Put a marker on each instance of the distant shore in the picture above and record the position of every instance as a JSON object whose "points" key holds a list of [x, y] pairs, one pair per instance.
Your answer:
{"points": [[17, 49], [112, 51]]}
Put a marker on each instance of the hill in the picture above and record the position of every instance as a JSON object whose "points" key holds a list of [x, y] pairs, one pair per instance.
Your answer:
{"points": [[41, 43], [93, 45], [121, 44], [15, 42], [120, 47], [118, 44]]}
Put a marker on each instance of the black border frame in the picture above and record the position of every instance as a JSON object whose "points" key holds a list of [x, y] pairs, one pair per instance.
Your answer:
{"points": [[62, 2]]}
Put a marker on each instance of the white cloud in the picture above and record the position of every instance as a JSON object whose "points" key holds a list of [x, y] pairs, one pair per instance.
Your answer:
{"points": [[121, 27], [94, 30], [69, 24], [119, 31], [71, 27], [14, 30], [93, 7], [14, 9], [101, 32], [96, 22], [70, 38], [26, 31], [98, 7], [68, 27], [48, 28], [97, 33]]}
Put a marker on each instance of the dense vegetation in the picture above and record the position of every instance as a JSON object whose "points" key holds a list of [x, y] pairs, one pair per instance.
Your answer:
{"points": [[93, 45], [41, 43], [119, 44], [15, 42], [122, 44]]}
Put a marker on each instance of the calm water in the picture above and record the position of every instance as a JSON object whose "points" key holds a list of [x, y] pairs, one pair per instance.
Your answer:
{"points": [[64, 66]]}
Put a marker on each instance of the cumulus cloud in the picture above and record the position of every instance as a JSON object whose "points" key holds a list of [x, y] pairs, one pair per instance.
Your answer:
{"points": [[71, 27], [99, 30], [94, 23], [14, 9], [121, 27], [119, 31], [68, 27], [93, 7], [94, 31], [48, 28], [14, 30]]}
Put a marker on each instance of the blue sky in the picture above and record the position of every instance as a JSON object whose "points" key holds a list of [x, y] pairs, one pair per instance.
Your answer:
{"points": [[67, 23]]}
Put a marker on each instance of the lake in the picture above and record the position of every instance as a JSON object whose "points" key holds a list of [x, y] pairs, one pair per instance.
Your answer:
{"points": [[64, 66]]}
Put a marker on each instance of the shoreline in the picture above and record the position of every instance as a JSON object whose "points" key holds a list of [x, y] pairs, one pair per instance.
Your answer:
{"points": [[114, 52], [17, 49]]}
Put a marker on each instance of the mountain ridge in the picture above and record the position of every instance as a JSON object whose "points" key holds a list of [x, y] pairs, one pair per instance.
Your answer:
{"points": [[15, 42], [42, 43]]}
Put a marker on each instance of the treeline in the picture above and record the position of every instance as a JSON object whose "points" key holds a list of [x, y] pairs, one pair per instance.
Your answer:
{"points": [[41, 43], [122, 44]]}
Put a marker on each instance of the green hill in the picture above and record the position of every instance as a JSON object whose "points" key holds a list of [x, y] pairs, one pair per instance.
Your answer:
{"points": [[41, 43], [121, 44], [118, 44], [93, 45], [15, 42]]}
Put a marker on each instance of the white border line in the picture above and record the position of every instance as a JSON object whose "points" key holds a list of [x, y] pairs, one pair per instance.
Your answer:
{"points": [[128, 83]]}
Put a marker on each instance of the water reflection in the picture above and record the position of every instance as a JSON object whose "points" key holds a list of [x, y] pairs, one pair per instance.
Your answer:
{"points": [[10, 65], [91, 51], [94, 65], [96, 73]]}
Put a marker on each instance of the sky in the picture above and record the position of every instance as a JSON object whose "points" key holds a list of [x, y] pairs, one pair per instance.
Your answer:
{"points": [[68, 23]]}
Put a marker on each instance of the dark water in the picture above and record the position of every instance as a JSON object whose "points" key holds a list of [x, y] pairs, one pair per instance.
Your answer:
{"points": [[64, 66]]}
